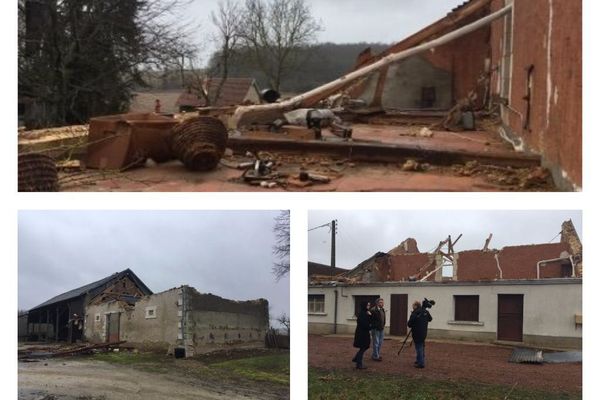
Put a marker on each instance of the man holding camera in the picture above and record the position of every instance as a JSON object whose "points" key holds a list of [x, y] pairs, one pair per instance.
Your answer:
{"points": [[418, 321], [377, 328]]}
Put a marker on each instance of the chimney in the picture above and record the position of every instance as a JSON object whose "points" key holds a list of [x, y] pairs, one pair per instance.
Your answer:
{"points": [[569, 236]]}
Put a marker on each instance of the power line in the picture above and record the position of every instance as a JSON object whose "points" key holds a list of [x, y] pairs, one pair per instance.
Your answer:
{"points": [[551, 240], [320, 226]]}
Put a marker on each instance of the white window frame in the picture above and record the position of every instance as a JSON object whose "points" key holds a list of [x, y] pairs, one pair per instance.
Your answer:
{"points": [[313, 303], [151, 312]]}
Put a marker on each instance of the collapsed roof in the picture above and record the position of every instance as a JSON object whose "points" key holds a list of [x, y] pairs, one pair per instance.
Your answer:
{"points": [[533, 261], [95, 287]]}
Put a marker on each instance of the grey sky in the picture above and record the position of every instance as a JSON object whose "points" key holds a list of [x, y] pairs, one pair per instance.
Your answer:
{"points": [[363, 233], [351, 21], [227, 253]]}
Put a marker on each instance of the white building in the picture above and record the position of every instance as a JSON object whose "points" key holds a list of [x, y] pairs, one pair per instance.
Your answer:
{"points": [[535, 312]]}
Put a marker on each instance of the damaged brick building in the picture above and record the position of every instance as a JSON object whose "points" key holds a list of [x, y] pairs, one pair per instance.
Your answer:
{"points": [[486, 295], [525, 65], [121, 308]]}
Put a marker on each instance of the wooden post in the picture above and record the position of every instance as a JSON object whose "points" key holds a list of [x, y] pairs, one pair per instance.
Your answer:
{"points": [[56, 326]]}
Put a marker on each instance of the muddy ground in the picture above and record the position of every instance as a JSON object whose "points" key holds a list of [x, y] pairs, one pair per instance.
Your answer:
{"points": [[448, 361], [87, 378]]}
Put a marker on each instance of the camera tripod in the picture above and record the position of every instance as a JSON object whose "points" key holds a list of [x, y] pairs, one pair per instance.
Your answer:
{"points": [[404, 343]]}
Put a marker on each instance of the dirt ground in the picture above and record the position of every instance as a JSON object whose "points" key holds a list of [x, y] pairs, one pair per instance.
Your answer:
{"points": [[448, 361], [88, 379]]}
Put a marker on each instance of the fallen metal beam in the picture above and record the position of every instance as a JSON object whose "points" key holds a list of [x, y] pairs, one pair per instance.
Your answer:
{"points": [[380, 152], [247, 115]]}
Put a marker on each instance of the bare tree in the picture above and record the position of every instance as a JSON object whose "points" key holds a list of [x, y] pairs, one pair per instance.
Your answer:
{"points": [[281, 249], [275, 31], [284, 320], [229, 21]]}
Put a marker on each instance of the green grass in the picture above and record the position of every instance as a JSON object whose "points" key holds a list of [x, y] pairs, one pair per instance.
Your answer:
{"points": [[273, 368], [325, 385], [148, 362]]}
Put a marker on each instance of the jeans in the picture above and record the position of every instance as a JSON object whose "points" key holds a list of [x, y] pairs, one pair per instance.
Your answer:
{"points": [[420, 348], [358, 358], [377, 336]]}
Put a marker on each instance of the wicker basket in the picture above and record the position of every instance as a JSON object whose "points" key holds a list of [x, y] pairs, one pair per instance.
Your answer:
{"points": [[37, 173], [199, 143]]}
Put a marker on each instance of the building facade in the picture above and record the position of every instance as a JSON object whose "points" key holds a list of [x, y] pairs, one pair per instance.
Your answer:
{"points": [[514, 311], [179, 317]]}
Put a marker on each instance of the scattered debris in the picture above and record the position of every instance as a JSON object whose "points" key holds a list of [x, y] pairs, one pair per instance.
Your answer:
{"points": [[37, 173], [43, 353], [534, 356], [199, 143], [309, 176], [425, 132], [537, 178], [527, 356], [410, 165], [563, 357]]}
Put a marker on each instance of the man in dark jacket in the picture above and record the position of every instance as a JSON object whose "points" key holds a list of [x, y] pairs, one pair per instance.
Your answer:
{"points": [[377, 328], [418, 321], [362, 341]]}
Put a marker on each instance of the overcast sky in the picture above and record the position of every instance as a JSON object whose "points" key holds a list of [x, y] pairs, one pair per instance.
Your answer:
{"points": [[351, 21], [363, 233], [227, 253]]}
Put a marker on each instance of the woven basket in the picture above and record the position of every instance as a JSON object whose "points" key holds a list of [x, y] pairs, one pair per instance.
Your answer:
{"points": [[37, 173], [199, 143]]}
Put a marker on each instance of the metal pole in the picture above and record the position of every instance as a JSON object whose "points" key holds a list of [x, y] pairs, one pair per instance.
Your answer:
{"points": [[333, 233]]}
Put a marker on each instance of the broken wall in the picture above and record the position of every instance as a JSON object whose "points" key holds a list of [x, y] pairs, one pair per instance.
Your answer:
{"points": [[546, 58], [452, 69], [211, 321], [181, 317], [153, 323]]}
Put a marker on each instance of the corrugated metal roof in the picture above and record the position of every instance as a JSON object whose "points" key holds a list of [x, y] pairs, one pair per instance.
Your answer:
{"points": [[71, 294], [528, 356]]}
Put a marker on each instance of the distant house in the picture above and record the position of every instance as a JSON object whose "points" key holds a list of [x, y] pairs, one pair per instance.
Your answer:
{"points": [[234, 91]]}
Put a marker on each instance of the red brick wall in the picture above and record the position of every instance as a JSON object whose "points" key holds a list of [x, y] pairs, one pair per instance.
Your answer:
{"points": [[546, 34], [465, 59]]}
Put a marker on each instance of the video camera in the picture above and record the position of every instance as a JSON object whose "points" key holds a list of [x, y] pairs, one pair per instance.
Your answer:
{"points": [[427, 303]]}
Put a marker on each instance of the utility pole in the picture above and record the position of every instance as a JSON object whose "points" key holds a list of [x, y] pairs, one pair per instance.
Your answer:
{"points": [[333, 233]]}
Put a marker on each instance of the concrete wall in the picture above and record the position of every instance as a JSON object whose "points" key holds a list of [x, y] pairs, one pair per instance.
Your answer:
{"points": [[546, 35], [405, 80], [549, 309], [212, 321], [182, 317], [453, 68]]}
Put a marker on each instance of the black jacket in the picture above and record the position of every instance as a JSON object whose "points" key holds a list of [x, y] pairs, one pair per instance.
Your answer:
{"points": [[362, 336], [418, 321], [378, 318]]}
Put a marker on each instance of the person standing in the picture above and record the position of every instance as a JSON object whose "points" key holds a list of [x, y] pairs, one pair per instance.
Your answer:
{"points": [[362, 341], [377, 329], [418, 322]]}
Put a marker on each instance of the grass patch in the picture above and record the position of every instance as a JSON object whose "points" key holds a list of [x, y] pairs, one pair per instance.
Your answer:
{"points": [[273, 368], [148, 362], [326, 385]]}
